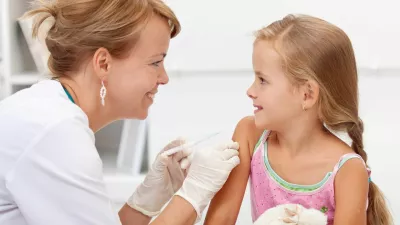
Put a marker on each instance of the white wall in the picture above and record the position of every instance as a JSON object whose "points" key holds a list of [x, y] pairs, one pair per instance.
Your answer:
{"points": [[218, 34]]}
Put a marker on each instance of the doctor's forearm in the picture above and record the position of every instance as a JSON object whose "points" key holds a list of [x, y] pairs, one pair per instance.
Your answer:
{"points": [[178, 212], [129, 216]]}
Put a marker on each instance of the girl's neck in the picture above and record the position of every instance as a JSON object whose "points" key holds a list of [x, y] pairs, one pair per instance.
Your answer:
{"points": [[299, 139]]}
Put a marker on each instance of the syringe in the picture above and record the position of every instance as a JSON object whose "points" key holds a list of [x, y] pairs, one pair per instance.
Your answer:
{"points": [[188, 145]]}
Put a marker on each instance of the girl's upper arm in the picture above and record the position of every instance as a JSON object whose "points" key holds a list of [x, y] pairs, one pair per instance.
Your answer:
{"points": [[351, 194], [225, 206]]}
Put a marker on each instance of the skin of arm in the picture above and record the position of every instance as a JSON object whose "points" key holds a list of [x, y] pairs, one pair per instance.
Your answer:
{"points": [[225, 206], [351, 194]]}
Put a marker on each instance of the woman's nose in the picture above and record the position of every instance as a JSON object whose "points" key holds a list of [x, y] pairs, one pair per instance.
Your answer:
{"points": [[163, 78]]}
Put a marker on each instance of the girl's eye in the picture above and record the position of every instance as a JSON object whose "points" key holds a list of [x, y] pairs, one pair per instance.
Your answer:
{"points": [[262, 80]]}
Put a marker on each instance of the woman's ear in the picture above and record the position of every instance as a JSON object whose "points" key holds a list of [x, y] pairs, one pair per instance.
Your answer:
{"points": [[102, 63], [310, 92]]}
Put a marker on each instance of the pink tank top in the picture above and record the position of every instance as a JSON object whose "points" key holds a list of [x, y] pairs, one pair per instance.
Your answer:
{"points": [[268, 190]]}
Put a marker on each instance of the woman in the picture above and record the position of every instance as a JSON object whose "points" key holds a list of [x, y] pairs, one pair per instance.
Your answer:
{"points": [[107, 61]]}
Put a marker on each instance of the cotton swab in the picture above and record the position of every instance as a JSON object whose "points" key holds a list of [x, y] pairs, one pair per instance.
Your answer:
{"points": [[188, 145]]}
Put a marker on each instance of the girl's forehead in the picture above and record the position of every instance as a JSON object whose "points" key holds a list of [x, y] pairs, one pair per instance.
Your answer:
{"points": [[265, 55]]}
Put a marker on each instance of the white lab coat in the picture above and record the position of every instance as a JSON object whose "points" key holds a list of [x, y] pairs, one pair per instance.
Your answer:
{"points": [[50, 170]]}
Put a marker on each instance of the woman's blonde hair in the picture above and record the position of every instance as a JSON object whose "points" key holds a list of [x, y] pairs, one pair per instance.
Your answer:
{"points": [[83, 26], [313, 49]]}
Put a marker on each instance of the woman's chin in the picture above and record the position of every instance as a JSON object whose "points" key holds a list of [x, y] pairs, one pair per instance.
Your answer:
{"points": [[141, 114], [137, 114]]}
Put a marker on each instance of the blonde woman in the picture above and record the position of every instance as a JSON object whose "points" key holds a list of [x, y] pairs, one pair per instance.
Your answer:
{"points": [[107, 61], [305, 80]]}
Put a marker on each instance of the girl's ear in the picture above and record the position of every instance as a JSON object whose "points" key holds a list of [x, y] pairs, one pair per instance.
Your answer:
{"points": [[310, 94]]}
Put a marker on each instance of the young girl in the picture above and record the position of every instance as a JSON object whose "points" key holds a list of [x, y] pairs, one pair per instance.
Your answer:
{"points": [[305, 82]]}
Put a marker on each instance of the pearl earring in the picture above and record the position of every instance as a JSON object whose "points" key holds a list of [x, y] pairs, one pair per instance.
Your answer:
{"points": [[103, 92]]}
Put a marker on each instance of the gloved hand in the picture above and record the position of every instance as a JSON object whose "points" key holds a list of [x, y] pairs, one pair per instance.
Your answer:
{"points": [[207, 174], [164, 178]]}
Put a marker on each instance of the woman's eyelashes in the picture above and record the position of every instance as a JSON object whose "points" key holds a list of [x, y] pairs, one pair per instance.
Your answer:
{"points": [[157, 64]]}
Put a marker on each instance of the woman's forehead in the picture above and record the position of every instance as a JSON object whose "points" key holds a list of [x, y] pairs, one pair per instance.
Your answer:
{"points": [[154, 38]]}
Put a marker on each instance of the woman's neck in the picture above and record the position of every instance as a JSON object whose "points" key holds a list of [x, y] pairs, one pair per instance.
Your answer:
{"points": [[85, 95]]}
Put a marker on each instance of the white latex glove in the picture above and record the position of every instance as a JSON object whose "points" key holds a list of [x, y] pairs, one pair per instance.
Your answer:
{"points": [[207, 174], [164, 178]]}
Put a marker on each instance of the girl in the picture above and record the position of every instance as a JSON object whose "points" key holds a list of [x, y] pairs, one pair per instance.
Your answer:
{"points": [[305, 82]]}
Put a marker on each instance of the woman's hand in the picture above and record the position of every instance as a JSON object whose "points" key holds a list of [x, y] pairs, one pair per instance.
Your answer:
{"points": [[209, 170], [164, 178]]}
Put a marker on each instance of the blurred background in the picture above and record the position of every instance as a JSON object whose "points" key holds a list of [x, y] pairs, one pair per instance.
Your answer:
{"points": [[210, 68]]}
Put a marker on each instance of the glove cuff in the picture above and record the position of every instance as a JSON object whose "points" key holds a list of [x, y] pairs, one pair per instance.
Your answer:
{"points": [[197, 196], [131, 203], [192, 202]]}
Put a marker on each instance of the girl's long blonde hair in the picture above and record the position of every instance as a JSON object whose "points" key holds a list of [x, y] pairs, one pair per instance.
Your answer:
{"points": [[312, 48]]}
